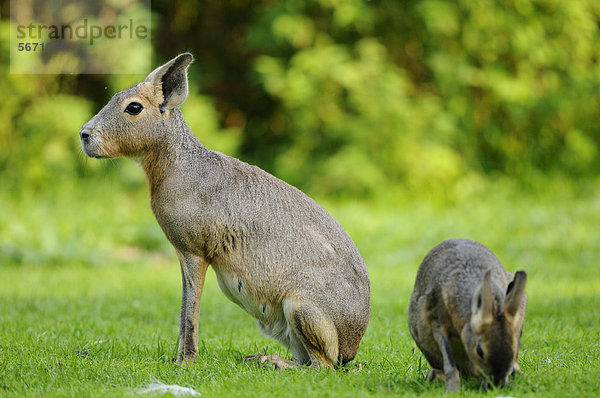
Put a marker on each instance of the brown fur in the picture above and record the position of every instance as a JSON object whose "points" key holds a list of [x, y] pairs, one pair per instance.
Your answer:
{"points": [[463, 298], [277, 254]]}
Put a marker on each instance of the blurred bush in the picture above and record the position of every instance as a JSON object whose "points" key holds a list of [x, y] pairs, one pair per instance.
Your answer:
{"points": [[369, 94], [345, 97]]}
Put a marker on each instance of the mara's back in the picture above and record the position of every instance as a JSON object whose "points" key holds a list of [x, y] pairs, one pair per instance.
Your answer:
{"points": [[463, 261], [239, 216], [450, 274]]}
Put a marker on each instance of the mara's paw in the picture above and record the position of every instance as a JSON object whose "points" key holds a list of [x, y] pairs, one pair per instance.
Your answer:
{"points": [[453, 381], [271, 360], [436, 374], [517, 370]]}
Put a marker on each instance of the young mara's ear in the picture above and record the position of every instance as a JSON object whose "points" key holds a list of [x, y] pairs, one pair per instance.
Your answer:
{"points": [[515, 293], [483, 302], [172, 78]]}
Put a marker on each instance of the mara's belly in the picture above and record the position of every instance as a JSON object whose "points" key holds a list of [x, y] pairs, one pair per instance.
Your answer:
{"points": [[239, 290], [270, 312]]}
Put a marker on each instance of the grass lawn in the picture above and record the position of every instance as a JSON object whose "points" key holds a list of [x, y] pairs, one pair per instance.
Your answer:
{"points": [[90, 294]]}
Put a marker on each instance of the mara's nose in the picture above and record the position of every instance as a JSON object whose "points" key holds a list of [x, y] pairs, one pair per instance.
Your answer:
{"points": [[86, 129]]}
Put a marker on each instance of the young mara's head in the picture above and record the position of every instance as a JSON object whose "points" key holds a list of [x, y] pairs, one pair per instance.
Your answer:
{"points": [[491, 338], [136, 119]]}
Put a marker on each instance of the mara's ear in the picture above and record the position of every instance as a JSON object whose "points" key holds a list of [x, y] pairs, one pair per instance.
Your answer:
{"points": [[483, 302], [172, 79], [515, 292]]}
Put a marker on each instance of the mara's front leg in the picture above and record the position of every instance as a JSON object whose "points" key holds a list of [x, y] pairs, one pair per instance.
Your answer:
{"points": [[450, 372], [193, 271]]}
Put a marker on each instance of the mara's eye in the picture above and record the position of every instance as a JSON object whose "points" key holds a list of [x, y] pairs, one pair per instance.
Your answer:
{"points": [[134, 108], [479, 351]]}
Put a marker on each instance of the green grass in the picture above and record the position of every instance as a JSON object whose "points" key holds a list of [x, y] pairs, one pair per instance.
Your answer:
{"points": [[90, 290]]}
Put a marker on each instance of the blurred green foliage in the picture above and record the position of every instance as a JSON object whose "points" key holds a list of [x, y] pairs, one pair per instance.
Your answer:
{"points": [[425, 92], [345, 97]]}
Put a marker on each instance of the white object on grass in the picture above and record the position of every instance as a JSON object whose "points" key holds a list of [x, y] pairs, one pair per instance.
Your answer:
{"points": [[168, 388]]}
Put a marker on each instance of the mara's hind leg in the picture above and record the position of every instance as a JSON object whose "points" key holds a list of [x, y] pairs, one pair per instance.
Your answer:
{"points": [[281, 332], [314, 331], [310, 335]]}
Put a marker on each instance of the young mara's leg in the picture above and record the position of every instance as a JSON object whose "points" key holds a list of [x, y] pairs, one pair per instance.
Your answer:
{"points": [[450, 371], [193, 271], [436, 372]]}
